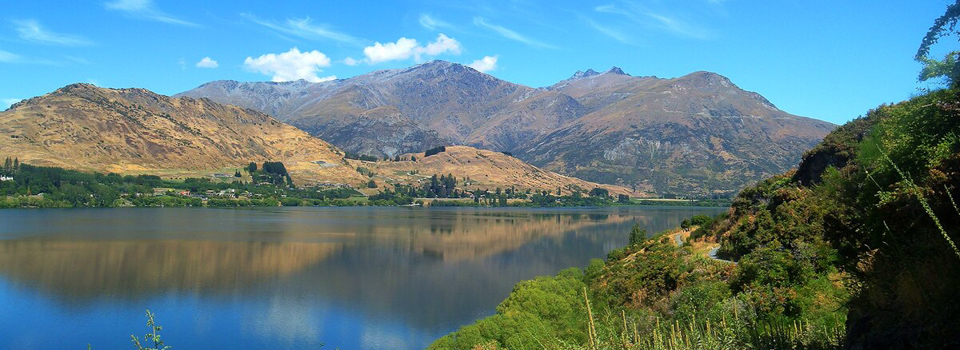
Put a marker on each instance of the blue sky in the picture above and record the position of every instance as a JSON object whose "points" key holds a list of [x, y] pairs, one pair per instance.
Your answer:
{"points": [[831, 60]]}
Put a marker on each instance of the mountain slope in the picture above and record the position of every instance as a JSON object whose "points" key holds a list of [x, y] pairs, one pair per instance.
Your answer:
{"points": [[485, 169], [387, 112], [129, 131], [694, 135], [697, 134], [84, 127]]}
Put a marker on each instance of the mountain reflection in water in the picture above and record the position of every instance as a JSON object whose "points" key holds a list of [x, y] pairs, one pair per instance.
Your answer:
{"points": [[427, 271]]}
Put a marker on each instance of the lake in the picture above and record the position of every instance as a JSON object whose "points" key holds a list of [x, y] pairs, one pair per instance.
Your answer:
{"points": [[285, 278]]}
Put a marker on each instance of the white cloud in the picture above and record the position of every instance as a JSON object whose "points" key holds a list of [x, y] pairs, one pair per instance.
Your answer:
{"points": [[146, 9], [291, 65], [207, 62], [443, 44], [7, 102], [431, 23], [405, 48], [510, 34], [304, 28], [350, 61], [485, 64], [31, 30], [401, 49]]}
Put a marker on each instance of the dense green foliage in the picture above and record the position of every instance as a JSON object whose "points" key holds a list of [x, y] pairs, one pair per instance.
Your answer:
{"points": [[435, 150], [48, 187], [651, 294], [718, 202], [363, 157], [949, 67]]}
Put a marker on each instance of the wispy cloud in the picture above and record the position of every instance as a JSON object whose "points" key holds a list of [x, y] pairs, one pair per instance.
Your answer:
{"points": [[12, 58], [305, 28], [433, 23], [32, 30], [485, 64], [510, 34], [291, 65], [405, 48], [643, 15], [611, 32], [146, 9], [7, 102], [9, 57]]}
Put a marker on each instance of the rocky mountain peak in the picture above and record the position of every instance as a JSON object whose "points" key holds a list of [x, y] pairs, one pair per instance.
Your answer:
{"points": [[709, 78], [76, 87], [581, 74], [616, 70]]}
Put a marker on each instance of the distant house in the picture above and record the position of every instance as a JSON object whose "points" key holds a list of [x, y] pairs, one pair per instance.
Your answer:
{"points": [[6, 178], [329, 185], [160, 191]]}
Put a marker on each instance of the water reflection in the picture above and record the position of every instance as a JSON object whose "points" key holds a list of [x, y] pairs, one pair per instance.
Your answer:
{"points": [[88, 269], [353, 278]]}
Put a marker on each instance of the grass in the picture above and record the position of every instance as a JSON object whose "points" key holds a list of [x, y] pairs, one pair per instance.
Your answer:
{"points": [[736, 333]]}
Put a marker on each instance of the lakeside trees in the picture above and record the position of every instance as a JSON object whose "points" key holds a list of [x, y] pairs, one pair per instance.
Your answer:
{"points": [[32, 186]]}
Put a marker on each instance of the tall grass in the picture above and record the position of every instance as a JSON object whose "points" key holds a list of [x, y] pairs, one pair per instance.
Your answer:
{"points": [[730, 333]]}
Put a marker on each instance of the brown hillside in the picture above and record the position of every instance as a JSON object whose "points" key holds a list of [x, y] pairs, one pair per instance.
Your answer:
{"points": [[486, 170], [85, 127]]}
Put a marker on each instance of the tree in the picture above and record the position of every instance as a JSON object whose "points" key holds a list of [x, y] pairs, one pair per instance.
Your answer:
{"points": [[237, 174], [371, 184], [599, 192], [274, 168], [637, 235], [252, 168], [434, 150], [943, 26], [948, 68], [413, 158]]}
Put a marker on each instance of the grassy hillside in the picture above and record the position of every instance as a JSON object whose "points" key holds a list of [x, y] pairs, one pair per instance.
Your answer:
{"points": [[485, 169], [135, 131], [855, 248]]}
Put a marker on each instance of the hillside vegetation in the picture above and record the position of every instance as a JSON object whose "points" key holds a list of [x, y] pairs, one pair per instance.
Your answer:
{"points": [[856, 249], [485, 169]]}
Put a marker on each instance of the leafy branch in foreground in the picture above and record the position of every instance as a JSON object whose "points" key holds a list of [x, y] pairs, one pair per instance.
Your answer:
{"points": [[918, 192], [153, 336]]}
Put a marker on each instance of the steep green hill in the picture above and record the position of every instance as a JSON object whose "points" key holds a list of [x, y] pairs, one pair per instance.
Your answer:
{"points": [[855, 249]]}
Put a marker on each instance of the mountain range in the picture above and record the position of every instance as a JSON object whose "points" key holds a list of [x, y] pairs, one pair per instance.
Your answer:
{"points": [[136, 131], [695, 135]]}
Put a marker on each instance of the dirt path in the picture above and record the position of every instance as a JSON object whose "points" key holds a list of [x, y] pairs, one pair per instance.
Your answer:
{"points": [[712, 253]]}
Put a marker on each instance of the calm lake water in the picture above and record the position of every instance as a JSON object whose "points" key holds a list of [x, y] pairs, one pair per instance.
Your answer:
{"points": [[284, 278]]}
